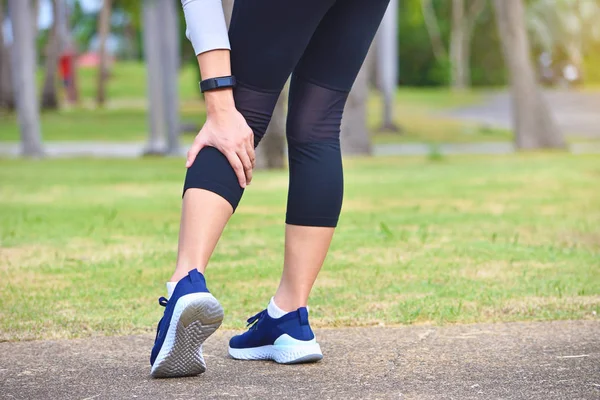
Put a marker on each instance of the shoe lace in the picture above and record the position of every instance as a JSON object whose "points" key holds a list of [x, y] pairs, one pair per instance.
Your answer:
{"points": [[163, 301], [254, 320]]}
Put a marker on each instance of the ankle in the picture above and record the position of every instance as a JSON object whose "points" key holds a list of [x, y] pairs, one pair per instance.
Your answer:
{"points": [[181, 273], [288, 303]]}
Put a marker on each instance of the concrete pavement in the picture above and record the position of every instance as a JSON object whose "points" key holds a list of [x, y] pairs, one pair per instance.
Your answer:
{"points": [[133, 150], [576, 112], [545, 360]]}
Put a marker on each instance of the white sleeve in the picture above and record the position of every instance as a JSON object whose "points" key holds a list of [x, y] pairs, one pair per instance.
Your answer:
{"points": [[206, 27]]}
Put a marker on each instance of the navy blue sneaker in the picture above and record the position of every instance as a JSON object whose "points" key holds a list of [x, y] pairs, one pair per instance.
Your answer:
{"points": [[192, 314], [286, 340]]}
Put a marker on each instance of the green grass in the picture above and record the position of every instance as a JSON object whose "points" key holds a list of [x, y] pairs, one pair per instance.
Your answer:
{"points": [[128, 81], [127, 125], [86, 245]]}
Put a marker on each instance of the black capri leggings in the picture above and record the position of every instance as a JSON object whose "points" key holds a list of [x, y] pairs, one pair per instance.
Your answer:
{"points": [[323, 44]]}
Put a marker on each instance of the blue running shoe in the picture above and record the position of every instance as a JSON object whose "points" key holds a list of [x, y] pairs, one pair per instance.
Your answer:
{"points": [[286, 340], [192, 314]]}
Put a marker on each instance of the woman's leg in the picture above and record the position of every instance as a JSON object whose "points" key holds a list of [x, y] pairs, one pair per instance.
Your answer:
{"points": [[318, 92], [267, 39]]}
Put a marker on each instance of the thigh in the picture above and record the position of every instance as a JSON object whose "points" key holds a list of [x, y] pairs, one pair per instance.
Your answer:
{"points": [[340, 43], [268, 37]]}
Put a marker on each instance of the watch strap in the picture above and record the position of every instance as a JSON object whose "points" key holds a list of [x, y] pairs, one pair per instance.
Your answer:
{"points": [[221, 82]]}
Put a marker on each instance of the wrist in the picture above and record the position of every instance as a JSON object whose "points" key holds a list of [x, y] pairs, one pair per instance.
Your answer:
{"points": [[219, 101]]}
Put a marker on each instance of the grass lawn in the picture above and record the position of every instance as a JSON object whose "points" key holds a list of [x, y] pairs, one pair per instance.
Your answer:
{"points": [[125, 119], [86, 245], [113, 125]]}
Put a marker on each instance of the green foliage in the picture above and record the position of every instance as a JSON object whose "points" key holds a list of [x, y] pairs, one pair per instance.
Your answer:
{"points": [[591, 67], [417, 60], [419, 66], [487, 62], [84, 26]]}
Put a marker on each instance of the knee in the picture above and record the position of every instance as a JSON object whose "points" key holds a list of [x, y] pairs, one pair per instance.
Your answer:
{"points": [[314, 113], [257, 108]]}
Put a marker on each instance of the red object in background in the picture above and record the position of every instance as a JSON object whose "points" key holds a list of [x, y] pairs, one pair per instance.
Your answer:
{"points": [[66, 69], [65, 65]]}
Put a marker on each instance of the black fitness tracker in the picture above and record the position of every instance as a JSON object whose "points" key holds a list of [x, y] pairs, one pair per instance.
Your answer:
{"points": [[221, 82]]}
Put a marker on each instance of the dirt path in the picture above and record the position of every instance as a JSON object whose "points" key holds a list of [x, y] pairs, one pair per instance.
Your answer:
{"points": [[547, 360]]}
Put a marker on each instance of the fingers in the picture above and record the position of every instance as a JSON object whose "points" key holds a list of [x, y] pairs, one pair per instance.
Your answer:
{"points": [[193, 151], [250, 150], [237, 166], [246, 163]]}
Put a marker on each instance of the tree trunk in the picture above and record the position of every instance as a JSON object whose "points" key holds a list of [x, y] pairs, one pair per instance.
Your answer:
{"points": [[23, 69], [271, 152], [35, 11], [387, 63], [49, 95], [103, 31], [355, 137], [533, 124], [151, 18], [170, 59], [457, 46], [433, 30], [6, 88]]}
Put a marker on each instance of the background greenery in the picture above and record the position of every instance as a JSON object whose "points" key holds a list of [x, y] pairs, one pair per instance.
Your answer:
{"points": [[417, 63], [419, 111], [86, 245]]}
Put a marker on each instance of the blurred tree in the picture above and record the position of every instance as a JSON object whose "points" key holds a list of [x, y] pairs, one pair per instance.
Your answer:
{"points": [[103, 32], [130, 28], [569, 27], [23, 68], [151, 40], [84, 25], [355, 138], [418, 65], [6, 86], [49, 99], [35, 11], [170, 58], [161, 50], [533, 124], [424, 58], [386, 46], [462, 28], [460, 40]]}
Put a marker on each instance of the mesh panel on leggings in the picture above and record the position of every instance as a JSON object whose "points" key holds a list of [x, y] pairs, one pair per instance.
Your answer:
{"points": [[314, 112], [256, 107]]}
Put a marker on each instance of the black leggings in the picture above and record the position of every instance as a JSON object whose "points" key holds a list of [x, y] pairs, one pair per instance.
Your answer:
{"points": [[323, 44]]}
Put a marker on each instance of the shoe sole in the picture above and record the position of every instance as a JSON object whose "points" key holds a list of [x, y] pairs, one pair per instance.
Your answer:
{"points": [[302, 352], [196, 316]]}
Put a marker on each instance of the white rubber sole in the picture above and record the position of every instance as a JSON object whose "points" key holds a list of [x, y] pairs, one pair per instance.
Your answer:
{"points": [[196, 316], [285, 350]]}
